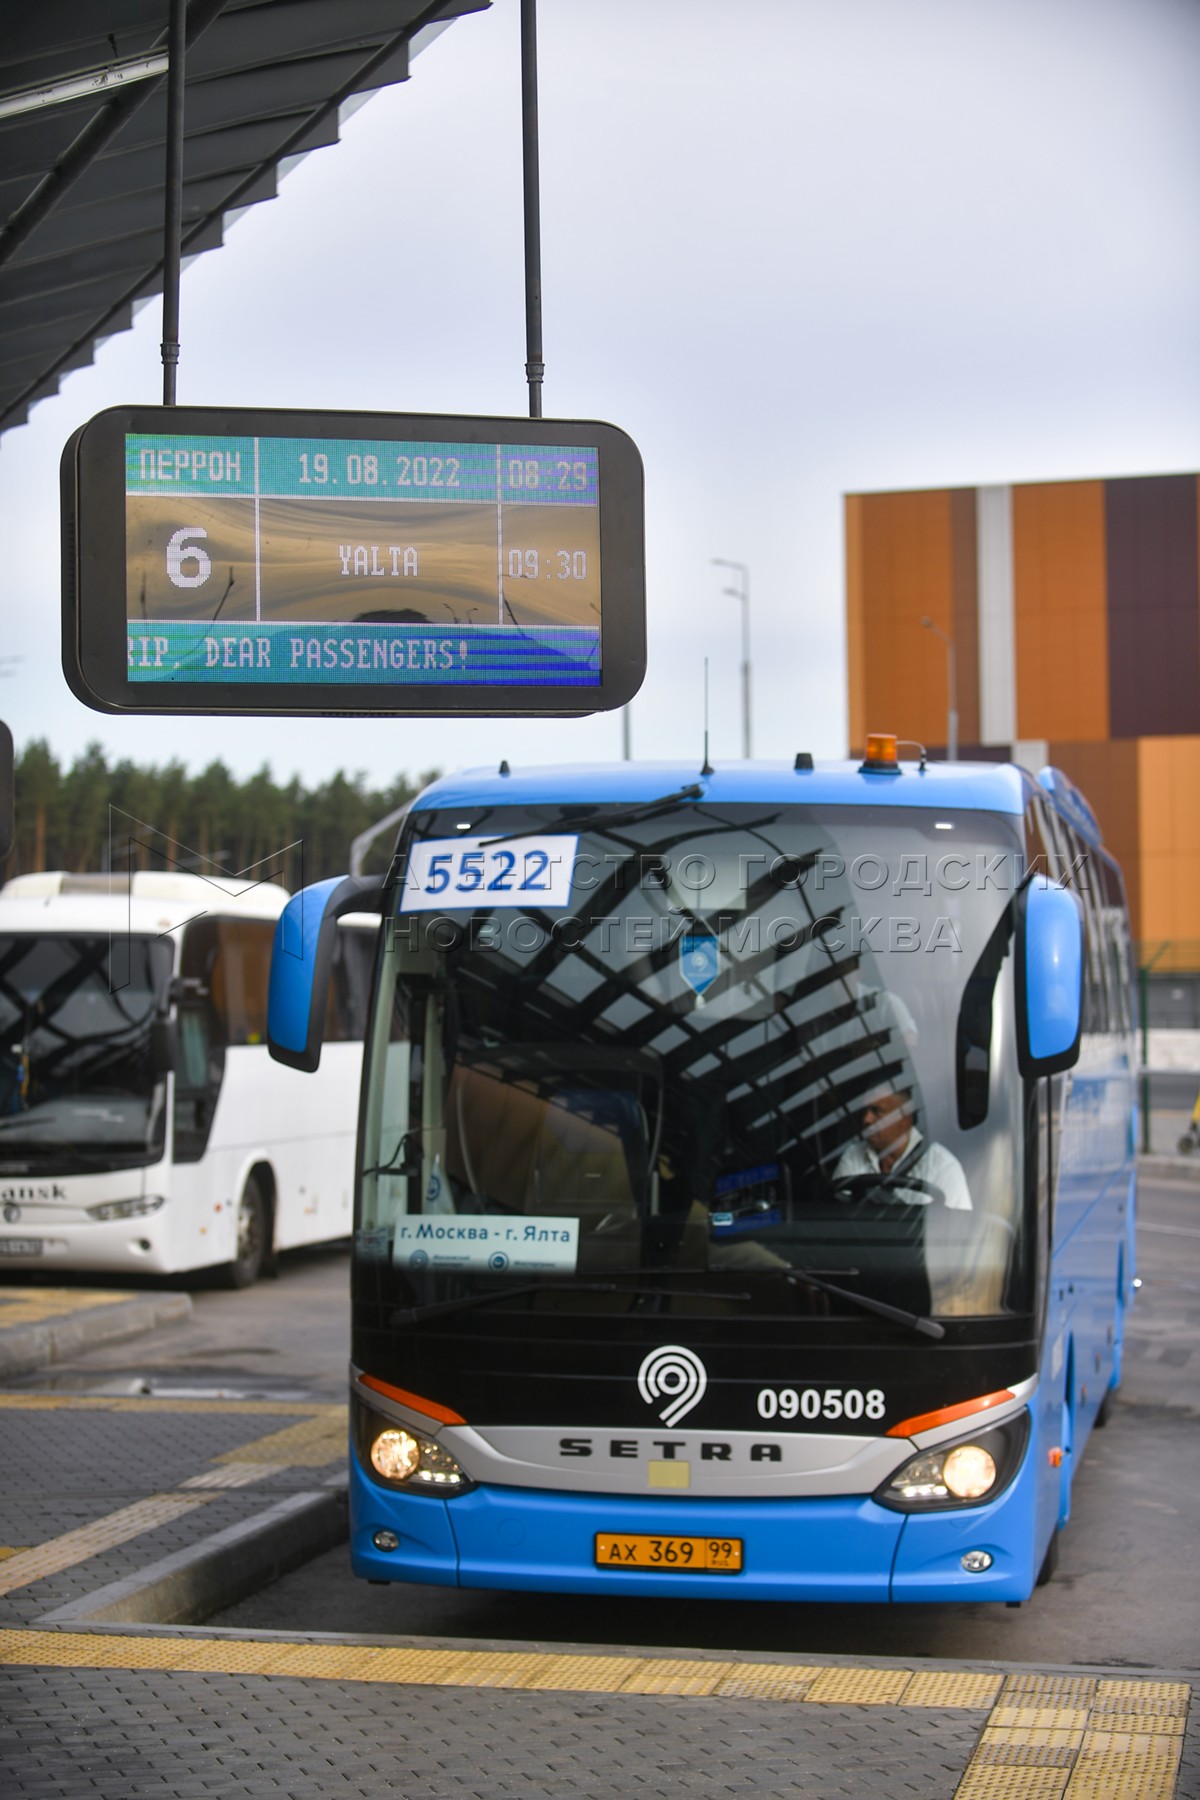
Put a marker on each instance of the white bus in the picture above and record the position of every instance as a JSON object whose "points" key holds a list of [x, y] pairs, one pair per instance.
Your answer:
{"points": [[143, 1125]]}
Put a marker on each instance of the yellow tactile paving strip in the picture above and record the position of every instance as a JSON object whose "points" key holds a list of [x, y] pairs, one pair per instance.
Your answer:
{"points": [[308, 1445], [546, 1671], [33, 1306], [234, 1475], [318, 1439], [1046, 1738], [63, 1552], [167, 1403], [1078, 1738]]}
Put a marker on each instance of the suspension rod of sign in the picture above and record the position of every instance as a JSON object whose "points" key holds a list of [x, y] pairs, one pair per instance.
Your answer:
{"points": [[173, 204], [534, 365]]}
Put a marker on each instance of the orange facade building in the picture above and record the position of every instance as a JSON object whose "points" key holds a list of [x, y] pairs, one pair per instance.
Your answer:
{"points": [[1073, 608]]}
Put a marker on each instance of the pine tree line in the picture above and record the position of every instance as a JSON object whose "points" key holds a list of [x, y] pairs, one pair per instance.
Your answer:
{"points": [[76, 818]]}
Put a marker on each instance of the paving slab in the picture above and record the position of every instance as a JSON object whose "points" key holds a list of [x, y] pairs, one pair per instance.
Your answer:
{"points": [[160, 1509], [124, 1517], [182, 1713], [120, 1499]]}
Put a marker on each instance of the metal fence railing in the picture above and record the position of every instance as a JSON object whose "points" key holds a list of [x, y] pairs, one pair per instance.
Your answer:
{"points": [[1168, 992], [1168, 956]]}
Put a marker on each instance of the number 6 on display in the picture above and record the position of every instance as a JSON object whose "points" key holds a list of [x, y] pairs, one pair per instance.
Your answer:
{"points": [[180, 550]]}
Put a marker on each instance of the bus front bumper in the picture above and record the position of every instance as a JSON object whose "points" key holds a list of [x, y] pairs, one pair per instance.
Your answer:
{"points": [[847, 1548], [48, 1242]]}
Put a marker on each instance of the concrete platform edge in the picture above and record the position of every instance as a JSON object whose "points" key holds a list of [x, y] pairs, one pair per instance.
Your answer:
{"points": [[1179, 1168], [219, 1570], [26, 1348], [635, 1653]]}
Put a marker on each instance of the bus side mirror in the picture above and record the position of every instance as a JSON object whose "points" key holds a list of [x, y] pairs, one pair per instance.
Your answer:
{"points": [[1049, 972], [301, 960]]}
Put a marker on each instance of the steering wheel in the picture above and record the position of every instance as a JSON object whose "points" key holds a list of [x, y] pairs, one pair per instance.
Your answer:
{"points": [[858, 1187]]}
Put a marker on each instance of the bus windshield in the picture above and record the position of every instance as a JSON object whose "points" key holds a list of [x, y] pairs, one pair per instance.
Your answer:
{"points": [[703, 1056], [78, 1085]]}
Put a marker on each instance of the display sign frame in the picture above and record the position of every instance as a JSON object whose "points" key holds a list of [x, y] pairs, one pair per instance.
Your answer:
{"points": [[500, 667]]}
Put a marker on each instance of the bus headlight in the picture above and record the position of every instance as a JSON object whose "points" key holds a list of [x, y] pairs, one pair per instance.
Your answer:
{"points": [[963, 1473], [401, 1458], [969, 1471], [126, 1209], [395, 1455]]}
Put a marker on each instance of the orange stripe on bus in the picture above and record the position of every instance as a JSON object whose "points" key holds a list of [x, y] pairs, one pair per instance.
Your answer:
{"points": [[430, 1408], [946, 1414]]}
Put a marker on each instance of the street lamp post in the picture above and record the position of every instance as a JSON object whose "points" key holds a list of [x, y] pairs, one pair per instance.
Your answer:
{"points": [[741, 593], [952, 689]]}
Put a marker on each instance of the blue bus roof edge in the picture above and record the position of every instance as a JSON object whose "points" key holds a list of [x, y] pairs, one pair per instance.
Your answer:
{"points": [[975, 787]]}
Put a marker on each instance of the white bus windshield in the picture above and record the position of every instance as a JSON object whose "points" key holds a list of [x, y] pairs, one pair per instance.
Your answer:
{"points": [[78, 1083], [713, 1046]]}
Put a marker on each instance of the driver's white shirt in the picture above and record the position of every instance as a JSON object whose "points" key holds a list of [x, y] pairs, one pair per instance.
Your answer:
{"points": [[935, 1164]]}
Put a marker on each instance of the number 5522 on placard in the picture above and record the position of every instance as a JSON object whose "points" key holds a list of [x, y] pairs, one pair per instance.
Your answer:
{"points": [[446, 874]]}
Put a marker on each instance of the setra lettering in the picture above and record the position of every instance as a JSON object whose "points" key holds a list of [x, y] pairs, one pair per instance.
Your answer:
{"points": [[670, 1449]]}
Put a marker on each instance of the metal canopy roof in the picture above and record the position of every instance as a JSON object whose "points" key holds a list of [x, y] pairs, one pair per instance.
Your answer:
{"points": [[83, 146]]}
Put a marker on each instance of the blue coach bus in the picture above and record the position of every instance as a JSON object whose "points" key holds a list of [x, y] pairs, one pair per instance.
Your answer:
{"points": [[745, 1199]]}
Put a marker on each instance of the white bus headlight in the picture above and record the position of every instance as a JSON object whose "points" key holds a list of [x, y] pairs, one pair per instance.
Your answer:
{"points": [[964, 1473], [405, 1459], [126, 1209]]}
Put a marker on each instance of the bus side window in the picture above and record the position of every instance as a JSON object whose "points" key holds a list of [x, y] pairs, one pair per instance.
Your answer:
{"points": [[239, 978], [349, 986], [1118, 949], [1043, 855], [1082, 874], [200, 1057]]}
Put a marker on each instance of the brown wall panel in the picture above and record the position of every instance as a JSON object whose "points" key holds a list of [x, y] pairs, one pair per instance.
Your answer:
{"points": [[1107, 776], [1107, 649], [1060, 610], [964, 568], [906, 569], [1153, 606], [855, 631], [1168, 783]]}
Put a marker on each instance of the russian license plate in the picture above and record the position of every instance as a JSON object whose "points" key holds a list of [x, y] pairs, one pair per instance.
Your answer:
{"points": [[626, 1550], [20, 1246]]}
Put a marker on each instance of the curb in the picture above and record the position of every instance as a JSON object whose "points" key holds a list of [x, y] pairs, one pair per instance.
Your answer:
{"points": [[1183, 1168], [192, 1584], [25, 1348]]}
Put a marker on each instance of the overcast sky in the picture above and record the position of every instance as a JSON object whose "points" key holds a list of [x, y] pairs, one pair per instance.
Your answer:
{"points": [[794, 247]]}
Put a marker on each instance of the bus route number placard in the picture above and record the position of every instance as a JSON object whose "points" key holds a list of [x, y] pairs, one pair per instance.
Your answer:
{"points": [[445, 873]]}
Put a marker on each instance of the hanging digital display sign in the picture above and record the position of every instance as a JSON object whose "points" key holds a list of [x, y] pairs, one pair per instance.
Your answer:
{"points": [[233, 561]]}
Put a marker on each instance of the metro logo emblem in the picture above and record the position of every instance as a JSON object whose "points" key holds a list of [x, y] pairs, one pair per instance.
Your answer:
{"points": [[675, 1374]]}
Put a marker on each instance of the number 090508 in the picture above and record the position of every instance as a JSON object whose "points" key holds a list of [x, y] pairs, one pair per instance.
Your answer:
{"points": [[821, 1403]]}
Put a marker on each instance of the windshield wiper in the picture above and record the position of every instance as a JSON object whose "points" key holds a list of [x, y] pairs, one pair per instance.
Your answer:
{"points": [[414, 1315], [602, 817], [915, 1321]]}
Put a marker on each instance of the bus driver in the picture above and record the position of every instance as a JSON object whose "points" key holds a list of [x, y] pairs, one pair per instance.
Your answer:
{"points": [[892, 1146]]}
